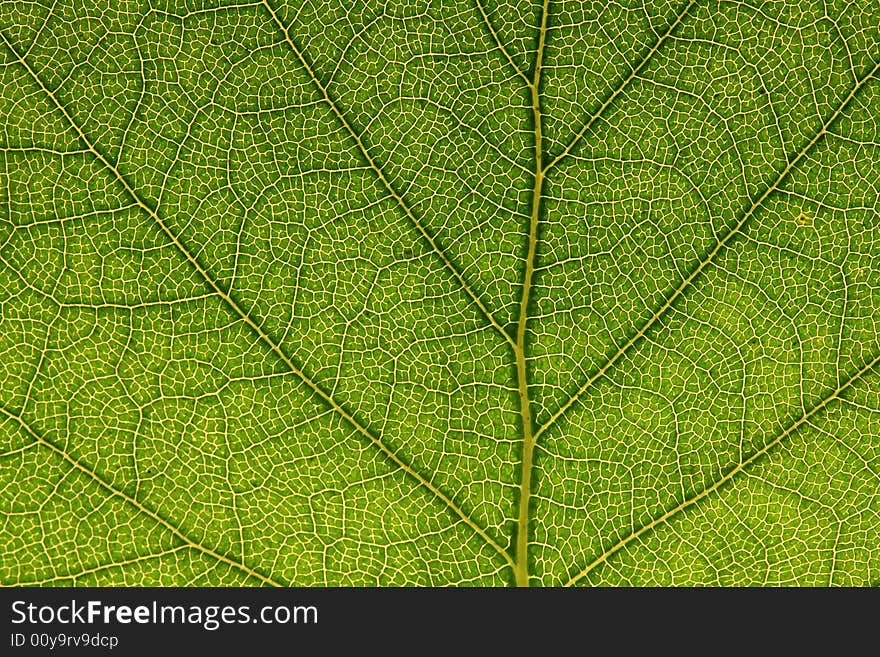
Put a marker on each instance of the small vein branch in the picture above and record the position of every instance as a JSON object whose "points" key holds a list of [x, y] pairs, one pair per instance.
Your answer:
{"points": [[797, 424], [710, 257], [274, 346], [499, 44], [427, 236], [617, 91]]}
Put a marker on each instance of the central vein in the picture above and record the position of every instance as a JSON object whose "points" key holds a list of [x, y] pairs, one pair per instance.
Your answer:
{"points": [[521, 567]]}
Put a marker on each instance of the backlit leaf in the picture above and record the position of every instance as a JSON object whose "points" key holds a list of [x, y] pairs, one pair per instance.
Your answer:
{"points": [[439, 293]]}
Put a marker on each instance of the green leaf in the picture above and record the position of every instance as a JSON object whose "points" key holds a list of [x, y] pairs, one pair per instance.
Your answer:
{"points": [[399, 292]]}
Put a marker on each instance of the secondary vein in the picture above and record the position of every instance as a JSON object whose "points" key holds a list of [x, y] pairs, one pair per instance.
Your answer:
{"points": [[356, 137], [709, 258], [264, 337], [801, 421], [176, 531]]}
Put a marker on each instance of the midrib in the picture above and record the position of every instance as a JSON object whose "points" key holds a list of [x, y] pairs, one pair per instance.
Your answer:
{"points": [[521, 561]]}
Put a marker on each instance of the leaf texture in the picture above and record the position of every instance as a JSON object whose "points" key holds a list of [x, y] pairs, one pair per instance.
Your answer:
{"points": [[440, 293]]}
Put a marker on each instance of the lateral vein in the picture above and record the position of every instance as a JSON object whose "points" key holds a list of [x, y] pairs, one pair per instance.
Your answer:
{"points": [[176, 531], [426, 235], [263, 336], [710, 257], [794, 426]]}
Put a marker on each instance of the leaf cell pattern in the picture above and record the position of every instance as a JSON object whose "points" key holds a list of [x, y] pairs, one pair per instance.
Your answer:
{"points": [[440, 293]]}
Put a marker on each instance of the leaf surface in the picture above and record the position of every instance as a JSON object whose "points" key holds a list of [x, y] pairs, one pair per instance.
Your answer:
{"points": [[440, 293]]}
